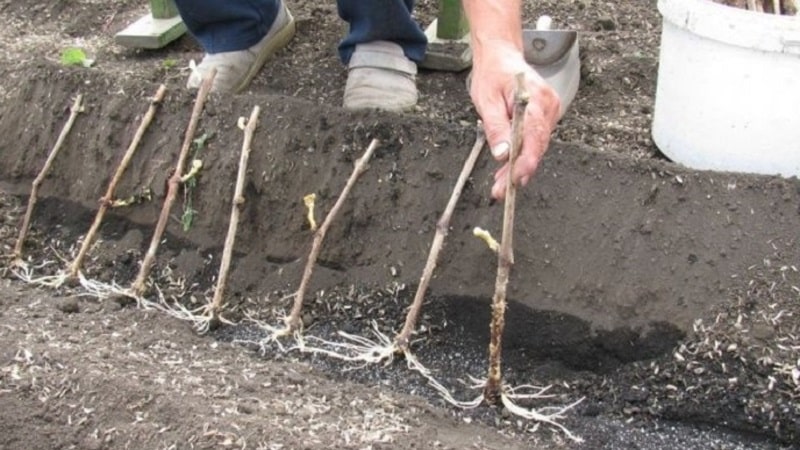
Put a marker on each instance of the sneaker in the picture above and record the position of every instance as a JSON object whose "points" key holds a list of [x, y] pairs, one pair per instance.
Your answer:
{"points": [[381, 77], [235, 70]]}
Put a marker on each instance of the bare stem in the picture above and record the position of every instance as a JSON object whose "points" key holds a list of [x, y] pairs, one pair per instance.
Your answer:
{"points": [[293, 322], [505, 259], [105, 202], [403, 338], [138, 285], [76, 108], [236, 207]]}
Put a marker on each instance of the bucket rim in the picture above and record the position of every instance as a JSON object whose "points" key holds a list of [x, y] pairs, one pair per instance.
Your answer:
{"points": [[735, 26]]}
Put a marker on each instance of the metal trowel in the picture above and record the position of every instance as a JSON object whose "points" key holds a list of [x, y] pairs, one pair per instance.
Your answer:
{"points": [[554, 55]]}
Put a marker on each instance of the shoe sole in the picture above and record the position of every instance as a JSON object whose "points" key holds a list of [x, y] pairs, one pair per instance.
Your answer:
{"points": [[278, 41]]}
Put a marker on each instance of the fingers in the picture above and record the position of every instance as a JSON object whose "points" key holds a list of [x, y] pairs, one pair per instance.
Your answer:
{"points": [[524, 176], [492, 91], [499, 188], [493, 99], [497, 125], [541, 116]]}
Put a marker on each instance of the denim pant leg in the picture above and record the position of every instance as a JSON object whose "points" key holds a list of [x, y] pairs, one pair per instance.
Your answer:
{"points": [[228, 25], [381, 20]]}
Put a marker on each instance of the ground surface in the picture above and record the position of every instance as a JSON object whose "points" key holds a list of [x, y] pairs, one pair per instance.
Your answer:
{"points": [[667, 297]]}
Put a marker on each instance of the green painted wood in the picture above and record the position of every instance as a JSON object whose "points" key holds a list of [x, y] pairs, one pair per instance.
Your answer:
{"points": [[148, 32], [452, 22], [163, 9]]}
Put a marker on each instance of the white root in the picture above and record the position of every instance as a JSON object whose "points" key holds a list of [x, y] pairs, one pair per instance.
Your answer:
{"points": [[274, 333], [26, 273], [535, 415], [364, 351], [200, 317], [356, 349], [103, 291], [92, 288]]}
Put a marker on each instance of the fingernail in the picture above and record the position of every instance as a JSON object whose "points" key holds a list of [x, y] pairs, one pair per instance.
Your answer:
{"points": [[500, 150], [524, 180]]}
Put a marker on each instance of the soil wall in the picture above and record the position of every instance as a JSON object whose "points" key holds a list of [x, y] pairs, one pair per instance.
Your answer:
{"points": [[612, 241]]}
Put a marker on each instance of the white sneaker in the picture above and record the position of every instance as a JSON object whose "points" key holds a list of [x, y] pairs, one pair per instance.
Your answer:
{"points": [[235, 70], [381, 77]]}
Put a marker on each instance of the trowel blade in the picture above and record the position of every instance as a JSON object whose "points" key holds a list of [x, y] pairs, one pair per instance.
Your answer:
{"points": [[546, 47]]}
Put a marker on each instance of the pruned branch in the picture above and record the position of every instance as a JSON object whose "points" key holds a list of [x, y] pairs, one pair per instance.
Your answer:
{"points": [[236, 209], [107, 199], [138, 285], [293, 322], [442, 226], [77, 107]]}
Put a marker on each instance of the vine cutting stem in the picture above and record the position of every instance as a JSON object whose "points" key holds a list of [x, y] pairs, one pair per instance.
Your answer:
{"points": [[505, 256], [138, 286]]}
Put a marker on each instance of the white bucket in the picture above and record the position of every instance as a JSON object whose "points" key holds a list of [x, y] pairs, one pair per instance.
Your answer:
{"points": [[728, 93]]}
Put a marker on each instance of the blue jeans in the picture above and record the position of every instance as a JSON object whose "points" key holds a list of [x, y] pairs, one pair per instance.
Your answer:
{"points": [[230, 25]]}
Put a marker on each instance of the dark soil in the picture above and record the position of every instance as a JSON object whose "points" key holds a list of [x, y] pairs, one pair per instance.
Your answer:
{"points": [[667, 297]]}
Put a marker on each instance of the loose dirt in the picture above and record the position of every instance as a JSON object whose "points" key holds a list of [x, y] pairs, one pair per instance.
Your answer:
{"points": [[667, 297]]}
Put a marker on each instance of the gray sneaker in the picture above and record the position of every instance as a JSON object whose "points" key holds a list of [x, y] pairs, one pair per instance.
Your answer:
{"points": [[380, 77], [235, 70]]}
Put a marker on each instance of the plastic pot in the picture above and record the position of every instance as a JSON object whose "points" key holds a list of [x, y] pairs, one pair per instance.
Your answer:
{"points": [[728, 91]]}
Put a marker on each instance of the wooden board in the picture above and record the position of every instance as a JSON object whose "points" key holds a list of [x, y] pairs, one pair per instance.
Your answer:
{"points": [[155, 30]]}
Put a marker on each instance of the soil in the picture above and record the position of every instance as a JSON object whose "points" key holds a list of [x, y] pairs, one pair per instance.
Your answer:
{"points": [[667, 298]]}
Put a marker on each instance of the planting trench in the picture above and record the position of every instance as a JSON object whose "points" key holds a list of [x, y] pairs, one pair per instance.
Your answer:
{"points": [[615, 259]]}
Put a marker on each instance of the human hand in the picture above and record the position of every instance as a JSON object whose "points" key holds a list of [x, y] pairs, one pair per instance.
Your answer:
{"points": [[492, 91]]}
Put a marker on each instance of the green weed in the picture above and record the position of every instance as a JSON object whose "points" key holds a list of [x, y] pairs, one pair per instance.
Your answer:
{"points": [[190, 183], [74, 56]]}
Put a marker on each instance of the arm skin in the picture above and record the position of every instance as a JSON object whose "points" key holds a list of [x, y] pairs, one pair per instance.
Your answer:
{"points": [[496, 33]]}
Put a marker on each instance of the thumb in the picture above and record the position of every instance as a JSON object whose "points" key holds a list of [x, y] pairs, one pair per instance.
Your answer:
{"points": [[497, 125]]}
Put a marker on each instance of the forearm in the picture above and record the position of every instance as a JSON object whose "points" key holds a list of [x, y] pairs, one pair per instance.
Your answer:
{"points": [[493, 22]]}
